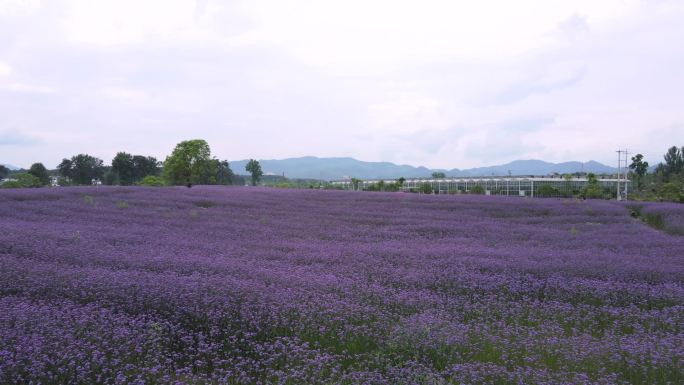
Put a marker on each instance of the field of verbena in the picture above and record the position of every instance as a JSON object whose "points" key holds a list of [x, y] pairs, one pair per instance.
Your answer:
{"points": [[252, 286]]}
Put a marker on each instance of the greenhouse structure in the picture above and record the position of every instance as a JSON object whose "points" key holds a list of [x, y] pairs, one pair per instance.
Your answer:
{"points": [[507, 186]]}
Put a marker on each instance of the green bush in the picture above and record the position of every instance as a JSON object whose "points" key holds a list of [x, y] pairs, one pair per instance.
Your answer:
{"points": [[425, 188], [151, 180], [11, 184], [22, 180], [546, 190], [671, 192], [477, 189]]}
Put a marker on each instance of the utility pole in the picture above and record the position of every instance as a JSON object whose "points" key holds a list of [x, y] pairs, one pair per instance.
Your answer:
{"points": [[617, 196], [626, 171]]}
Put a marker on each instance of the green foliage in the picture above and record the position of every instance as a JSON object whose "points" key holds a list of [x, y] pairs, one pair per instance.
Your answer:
{"points": [[122, 204], [190, 163], [22, 180], [654, 220], [639, 167], [4, 171], [40, 172], [254, 168], [87, 199], [355, 183], [671, 192], [592, 189], [546, 190], [144, 166], [425, 188], [224, 175], [81, 169], [151, 180], [674, 161], [122, 169], [477, 189], [65, 170], [438, 175], [11, 184]]}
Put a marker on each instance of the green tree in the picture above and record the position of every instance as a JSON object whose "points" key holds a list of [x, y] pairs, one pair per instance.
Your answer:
{"points": [[144, 166], [674, 161], [40, 172], [592, 189], [355, 183], [639, 167], [190, 163], [81, 169], [224, 175], [65, 170], [400, 181], [438, 175], [4, 171], [129, 169], [122, 169], [254, 168]]}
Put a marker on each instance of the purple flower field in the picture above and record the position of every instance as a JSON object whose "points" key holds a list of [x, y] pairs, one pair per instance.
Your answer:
{"points": [[215, 285]]}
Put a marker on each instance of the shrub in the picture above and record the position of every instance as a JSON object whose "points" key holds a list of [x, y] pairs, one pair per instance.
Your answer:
{"points": [[151, 180], [477, 189], [425, 188], [11, 184], [22, 180], [547, 190], [671, 192]]}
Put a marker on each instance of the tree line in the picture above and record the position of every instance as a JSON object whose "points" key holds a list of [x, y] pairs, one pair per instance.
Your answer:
{"points": [[666, 182], [189, 164]]}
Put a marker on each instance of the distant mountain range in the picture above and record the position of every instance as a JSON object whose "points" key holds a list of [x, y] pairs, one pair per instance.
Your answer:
{"points": [[338, 168], [9, 166]]}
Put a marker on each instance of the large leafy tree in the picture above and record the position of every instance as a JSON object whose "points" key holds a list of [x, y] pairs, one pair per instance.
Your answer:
{"points": [[65, 169], [254, 168], [81, 169], [39, 171], [122, 167], [4, 171], [129, 169], [639, 167], [674, 160], [224, 175], [190, 163], [144, 166]]}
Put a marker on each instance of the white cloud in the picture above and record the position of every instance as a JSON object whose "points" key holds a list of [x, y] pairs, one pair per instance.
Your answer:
{"points": [[5, 69], [440, 83], [31, 88]]}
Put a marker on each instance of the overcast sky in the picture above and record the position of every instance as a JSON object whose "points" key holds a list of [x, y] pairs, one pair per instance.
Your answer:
{"points": [[450, 84]]}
